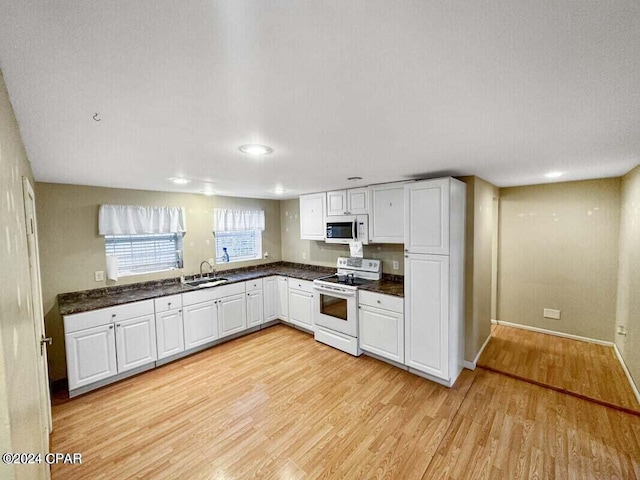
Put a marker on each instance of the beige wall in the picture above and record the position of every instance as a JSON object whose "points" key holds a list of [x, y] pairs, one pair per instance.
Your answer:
{"points": [[628, 306], [559, 249], [326, 254], [20, 415], [478, 262], [71, 249]]}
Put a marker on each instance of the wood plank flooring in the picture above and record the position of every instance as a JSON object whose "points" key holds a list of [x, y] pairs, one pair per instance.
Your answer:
{"points": [[277, 404], [584, 368]]}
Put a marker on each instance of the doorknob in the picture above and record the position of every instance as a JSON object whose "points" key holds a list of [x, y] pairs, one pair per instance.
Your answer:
{"points": [[44, 340]]}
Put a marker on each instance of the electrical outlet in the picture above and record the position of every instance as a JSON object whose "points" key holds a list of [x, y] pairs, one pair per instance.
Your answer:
{"points": [[304, 255], [265, 255], [551, 313], [396, 265], [622, 331], [99, 276], [211, 261]]}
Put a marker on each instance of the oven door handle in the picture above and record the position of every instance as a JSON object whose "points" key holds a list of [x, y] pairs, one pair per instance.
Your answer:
{"points": [[335, 291]]}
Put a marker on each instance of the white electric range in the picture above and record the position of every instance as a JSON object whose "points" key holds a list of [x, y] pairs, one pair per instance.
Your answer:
{"points": [[336, 303]]}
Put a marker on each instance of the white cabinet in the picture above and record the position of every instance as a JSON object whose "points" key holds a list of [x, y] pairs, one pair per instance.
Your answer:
{"points": [[348, 202], [301, 303], [312, 213], [136, 342], [427, 313], [426, 207], [255, 308], [381, 325], [169, 333], [283, 299], [386, 223], [91, 355], [270, 294], [232, 314], [200, 324]]}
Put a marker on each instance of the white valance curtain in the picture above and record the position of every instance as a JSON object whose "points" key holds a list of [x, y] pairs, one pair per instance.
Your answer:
{"points": [[137, 220], [227, 220]]}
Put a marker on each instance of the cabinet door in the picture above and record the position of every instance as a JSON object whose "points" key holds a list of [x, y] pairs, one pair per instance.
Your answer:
{"points": [[91, 355], [169, 333], [426, 206], [427, 314], [232, 314], [270, 293], [381, 332], [254, 308], [337, 203], [200, 324], [358, 201], [312, 213], [136, 342], [386, 224], [301, 308], [283, 298]]}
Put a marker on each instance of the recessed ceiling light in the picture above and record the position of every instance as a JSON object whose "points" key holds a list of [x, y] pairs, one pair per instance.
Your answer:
{"points": [[353, 179], [180, 181], [279, 190], [208, 193], [553, 174], [256, 149]]}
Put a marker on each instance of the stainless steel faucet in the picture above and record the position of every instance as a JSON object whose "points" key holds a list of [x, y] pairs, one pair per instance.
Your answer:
{"points": [[211, 269]]}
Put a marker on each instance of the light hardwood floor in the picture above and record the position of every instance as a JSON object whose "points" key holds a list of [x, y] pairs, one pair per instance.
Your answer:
{"points": [[583, 368], [277, 404]]}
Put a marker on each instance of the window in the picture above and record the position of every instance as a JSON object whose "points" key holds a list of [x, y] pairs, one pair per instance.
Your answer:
{"points": [[145, 253], [240, 245]]}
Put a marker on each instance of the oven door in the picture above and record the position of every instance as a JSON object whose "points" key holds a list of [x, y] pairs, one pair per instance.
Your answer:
{"points": [[336, 309]]}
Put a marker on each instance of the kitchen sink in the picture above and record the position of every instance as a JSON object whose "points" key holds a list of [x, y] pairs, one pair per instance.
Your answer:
{"points": [[206, 282]]}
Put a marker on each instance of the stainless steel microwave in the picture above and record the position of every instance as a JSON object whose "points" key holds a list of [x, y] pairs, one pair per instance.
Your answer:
{"points": [[345, 228]]}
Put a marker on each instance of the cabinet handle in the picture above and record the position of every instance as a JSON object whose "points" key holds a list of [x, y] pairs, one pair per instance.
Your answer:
{"points": [[378, 301], [113, 315], [118, 325], [180, 311], [110, 327], [406, 250], [169, 304]]}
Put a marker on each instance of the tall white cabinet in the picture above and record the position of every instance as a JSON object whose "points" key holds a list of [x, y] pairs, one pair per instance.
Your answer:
{"points": [[434, 278], [312, 214]]}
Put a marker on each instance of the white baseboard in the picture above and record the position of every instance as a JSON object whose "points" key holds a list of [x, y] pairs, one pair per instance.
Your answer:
{"points": [[494, 321], [557, 334], [472, 365], [627, 373]]}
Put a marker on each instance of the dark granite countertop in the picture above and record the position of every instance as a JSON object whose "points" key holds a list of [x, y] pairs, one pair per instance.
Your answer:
{"points": [[86, 300]]}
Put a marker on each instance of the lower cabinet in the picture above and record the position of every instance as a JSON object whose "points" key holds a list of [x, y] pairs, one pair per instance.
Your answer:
{"points": [[381, 327], [136, 342], [301, 304], [270, 299], [254, 308], [283, 299], [232, 314], [200, 324], [91, 355], [169, 333]]}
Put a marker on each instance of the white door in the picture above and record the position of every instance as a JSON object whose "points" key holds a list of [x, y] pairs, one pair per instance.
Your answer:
{"points": [[200, 324], [283, 298], [91, 355], [254, 308], [386, 224], [381, 332], [36, 305], [169, 333], [427, 313], [301, 308], [358, 201], [426, 206], [337, 203], [232, 314], [312, 212], [136, 342], [270, 293]]}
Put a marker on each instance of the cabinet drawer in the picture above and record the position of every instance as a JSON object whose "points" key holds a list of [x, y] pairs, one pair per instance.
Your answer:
{"points": [[164, 304], [379, 300], [253, 285], [103, 316], [303, 285]]}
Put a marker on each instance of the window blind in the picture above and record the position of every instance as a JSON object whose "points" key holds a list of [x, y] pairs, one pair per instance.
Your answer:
{"points": [[145, 253]]}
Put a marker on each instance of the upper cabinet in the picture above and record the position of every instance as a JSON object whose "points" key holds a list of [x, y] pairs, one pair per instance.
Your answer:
{"points": [[386, 223], [348, 202], [426, 210], [312, 213]]}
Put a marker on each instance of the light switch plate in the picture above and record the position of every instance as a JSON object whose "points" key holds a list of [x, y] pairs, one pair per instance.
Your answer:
{"points": [[396, 265], [99, 276]]}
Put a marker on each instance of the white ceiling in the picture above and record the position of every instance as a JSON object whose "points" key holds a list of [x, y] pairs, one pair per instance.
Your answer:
{"points": [[386, 90]]}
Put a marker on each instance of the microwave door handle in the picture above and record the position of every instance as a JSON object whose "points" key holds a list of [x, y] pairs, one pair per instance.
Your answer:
{"points": [[354, 230]]}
